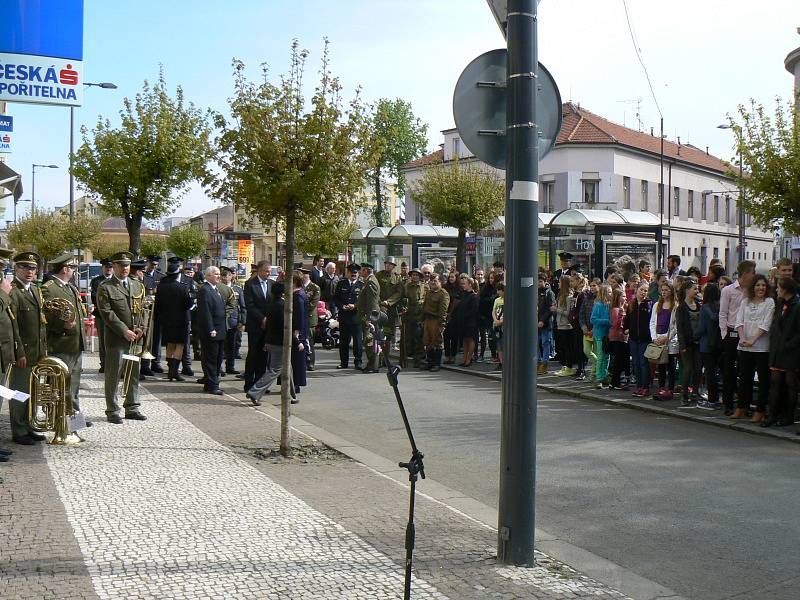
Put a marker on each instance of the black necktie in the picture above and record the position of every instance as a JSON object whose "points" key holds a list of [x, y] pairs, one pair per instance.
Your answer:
{"points": [[125, 285]]}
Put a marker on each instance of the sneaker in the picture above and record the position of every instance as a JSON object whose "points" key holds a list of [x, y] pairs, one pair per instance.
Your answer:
{"points": [[601, 385], [581, 377], [705, 405], [562, 372], [621, 386]]}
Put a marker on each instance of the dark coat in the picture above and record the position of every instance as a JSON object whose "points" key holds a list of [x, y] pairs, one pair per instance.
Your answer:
{"points": [[95, 283], [256, 304], [347, 293], [273, 334], [171, 310], [784, 336], [299, 323], [464, 318], [211, 313], [637, 321]]}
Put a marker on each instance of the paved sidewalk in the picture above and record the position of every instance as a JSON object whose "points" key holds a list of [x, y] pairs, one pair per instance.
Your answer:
{"points": [[586, 390], [192, 504]]}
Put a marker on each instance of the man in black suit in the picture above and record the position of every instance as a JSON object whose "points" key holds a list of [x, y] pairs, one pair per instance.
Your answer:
{"points": [[212, 328], [317, 269], [106, 270], [346, 296], [256, 296]]}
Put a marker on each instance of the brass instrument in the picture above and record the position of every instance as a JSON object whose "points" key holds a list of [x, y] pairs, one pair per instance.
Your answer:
{"points": [[61, 308], [49, 385], [142, 309]]}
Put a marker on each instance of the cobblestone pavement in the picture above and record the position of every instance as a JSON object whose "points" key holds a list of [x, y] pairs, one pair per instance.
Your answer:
{"points": [[586, 390], [185, 505]]}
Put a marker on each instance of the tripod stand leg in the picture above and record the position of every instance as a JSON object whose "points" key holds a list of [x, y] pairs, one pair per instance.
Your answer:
{"points": [[410, 536]]}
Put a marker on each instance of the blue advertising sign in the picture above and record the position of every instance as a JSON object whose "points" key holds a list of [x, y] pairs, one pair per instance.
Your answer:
{"points": [[41, 51], [6, 123], [42, 28]]}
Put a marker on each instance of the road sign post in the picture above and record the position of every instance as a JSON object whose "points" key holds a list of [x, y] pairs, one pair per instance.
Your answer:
{"points": [[516, 516]]}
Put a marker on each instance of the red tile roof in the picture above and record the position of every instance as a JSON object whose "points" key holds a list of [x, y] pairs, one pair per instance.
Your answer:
{"points": [[581, 126]]}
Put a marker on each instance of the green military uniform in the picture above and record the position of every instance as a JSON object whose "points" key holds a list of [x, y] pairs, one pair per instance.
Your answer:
{"points": [[313, 292], [10, 343], [434, 312], [391, 293], [26, 304], [369, 302], [116, 305], [65, 343], [411, 319], [229, 298]]}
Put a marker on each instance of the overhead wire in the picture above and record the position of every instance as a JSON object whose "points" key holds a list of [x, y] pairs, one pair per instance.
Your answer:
{"points": [[638, 51]]}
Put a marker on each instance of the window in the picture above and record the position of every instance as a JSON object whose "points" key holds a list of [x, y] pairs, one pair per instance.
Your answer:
{"points": [[457, 147], [716, 253], [727, 209], [676, 201], [716, 209], [661, 198], [690, 204], [590, 192], [704, 207], [683, 251], [626, 192], [548, 191], [645, 187]]}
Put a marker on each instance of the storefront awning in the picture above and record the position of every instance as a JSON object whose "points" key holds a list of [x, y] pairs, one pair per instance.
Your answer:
{"points": [[10, 182], [422, 231], [626, 219]]}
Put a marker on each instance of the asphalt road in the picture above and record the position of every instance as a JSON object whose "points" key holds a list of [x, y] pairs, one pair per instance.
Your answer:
{"points": [[708, 512]]}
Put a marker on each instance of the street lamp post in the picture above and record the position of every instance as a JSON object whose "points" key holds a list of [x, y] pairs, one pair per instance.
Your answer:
{"points": [[106, 86], [15, 207], [33, 182], [740, 204]]}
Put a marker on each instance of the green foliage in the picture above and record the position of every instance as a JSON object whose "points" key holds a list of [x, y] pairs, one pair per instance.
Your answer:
{"points": [[461, 196], [326, 235], [398, 137], [106, 247], [770, 151], [141, 169], [51, 234], [153, 245], [187, 241]]}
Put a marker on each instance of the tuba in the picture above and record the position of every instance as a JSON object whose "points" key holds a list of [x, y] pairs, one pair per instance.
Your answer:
{"points": [[61, 308], [49, 387], [142, 310]]}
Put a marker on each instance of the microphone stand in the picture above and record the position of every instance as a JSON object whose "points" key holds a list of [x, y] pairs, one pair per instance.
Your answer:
{"points": [[415, 468]]}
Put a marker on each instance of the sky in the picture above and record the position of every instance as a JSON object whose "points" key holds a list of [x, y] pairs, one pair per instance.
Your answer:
{"points": [[704, 57]]}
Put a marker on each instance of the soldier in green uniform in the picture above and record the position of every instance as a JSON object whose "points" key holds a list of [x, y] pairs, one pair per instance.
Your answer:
{"points": [[313, 293], [411, 319], [368, 302], [65, 338], [26, 304], [434, 311], [229, 298], [10, 344], [119, 298], [391, 293]]}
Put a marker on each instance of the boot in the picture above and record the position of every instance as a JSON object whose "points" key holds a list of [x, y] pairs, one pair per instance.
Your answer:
{"points": [[174, 374], [758, 417], [739, 413], [437, 359]]}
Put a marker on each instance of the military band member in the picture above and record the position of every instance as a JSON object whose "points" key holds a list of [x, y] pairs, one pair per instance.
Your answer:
{"points": [[26, 304], [411, 319], [10, 343], [391, 292], [346, 298], [118, 297], [65, 339], [434, 311], [152, 277], [369, 299], [105, 272]]}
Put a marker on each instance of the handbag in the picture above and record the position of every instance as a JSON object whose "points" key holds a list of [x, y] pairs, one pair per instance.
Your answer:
{"points": [[656, 354]]}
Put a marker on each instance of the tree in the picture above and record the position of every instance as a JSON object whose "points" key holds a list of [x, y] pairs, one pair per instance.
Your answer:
{"points": [[327, 235], [399, 137], [153, 245], [51, 234], [141, 169], [297, 165], [460, 196], [187, 241], [769, 148], [106, 248]]}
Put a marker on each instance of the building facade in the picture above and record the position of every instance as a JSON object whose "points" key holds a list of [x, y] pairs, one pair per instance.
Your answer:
{"points": [[598, 164]]}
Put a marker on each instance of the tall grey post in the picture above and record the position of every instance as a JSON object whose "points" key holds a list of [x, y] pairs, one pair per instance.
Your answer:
{"points": [[516, 518]]}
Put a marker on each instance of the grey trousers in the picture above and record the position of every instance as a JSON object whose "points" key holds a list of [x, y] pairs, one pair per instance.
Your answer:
{"points": [[113, 372], [271, 375]]}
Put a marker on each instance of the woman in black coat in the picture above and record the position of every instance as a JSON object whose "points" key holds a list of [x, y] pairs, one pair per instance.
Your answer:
{"points": [[465, 316], [171, 314], [784, 355]]}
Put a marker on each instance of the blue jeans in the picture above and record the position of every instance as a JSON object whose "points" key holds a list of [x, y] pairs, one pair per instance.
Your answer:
{"points": [[545, 345], [640, 367]]}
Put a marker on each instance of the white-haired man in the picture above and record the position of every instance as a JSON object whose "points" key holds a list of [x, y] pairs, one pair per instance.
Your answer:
{"points": [[212, 328], [327, 288]]}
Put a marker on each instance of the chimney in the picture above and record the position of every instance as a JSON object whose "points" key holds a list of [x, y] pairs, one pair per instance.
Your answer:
{"points": [[651, 131], [706, 149]]}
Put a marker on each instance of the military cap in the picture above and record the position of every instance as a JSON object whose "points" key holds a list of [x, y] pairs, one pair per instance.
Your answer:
{"points": [[223, 269], [368, 266], [138, 265], [173, 268], [174, 259], [27, 258], [188, 267], [63, 260], [417, 271], [297, 266], [106, 262], [389, 260], [302, 270], [353, 267], [122, 257], [153, 258], [565, 256]]}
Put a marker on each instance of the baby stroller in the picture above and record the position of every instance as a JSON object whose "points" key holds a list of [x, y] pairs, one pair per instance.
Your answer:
{"points": [[327, 330]]}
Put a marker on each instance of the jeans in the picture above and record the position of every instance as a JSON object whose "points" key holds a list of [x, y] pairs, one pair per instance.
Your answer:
{"points": [[588, 352], [710, 362], [730, 359], [666, 373], [565, 347], [545, 345], [690, 369], [640, 366], [621, 356], [751, 363]]}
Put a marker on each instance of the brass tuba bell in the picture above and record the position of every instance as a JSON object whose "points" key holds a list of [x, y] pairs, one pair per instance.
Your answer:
{"points": [[49, 387]]}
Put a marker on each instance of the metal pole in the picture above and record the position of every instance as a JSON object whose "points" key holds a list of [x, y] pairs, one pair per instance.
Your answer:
{"points": [[742, 246], [71, 152], [660, 255], [33, 188], [517, 503]]}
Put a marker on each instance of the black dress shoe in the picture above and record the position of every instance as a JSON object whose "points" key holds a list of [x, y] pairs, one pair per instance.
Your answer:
{"points": [[294, 401], [187, 371], [147, 371], [38, 437], [24, 440], [309, 367], [101, 370], [142, 377], [238, 357], [253, 400], [115, 419], [232, 372], [215, 392], [341, 366], [156, 368], [221, 373], [202, 380], [240, 376], [4, 458], [89, 424], [6, 452], [136, 416]]}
